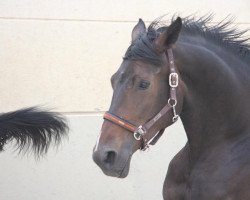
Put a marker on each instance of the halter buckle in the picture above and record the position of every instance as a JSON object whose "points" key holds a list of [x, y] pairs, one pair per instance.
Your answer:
{"points": [[140, 131], [173, 80]]}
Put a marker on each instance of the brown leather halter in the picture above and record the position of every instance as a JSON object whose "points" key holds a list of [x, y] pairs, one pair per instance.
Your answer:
{"points": [[140, 131]]}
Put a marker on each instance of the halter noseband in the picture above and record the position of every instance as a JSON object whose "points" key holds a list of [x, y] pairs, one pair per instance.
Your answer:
{"points": [[140, 131]]}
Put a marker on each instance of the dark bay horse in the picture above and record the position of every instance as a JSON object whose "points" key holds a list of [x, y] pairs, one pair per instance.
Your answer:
{"points": [[201, 73], [32, 129]]}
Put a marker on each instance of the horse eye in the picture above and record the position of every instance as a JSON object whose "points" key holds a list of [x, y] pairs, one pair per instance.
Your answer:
{"points": [[143, 85]]}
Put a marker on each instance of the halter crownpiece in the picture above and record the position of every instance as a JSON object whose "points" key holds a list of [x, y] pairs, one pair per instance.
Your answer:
{"points": [[140, 131]]}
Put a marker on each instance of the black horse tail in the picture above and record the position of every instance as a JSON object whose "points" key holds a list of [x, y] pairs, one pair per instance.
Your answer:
{"points": [[32, 128]]}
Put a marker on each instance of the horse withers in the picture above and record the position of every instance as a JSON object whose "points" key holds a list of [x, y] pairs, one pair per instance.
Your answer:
{"points": [[200, 73]]}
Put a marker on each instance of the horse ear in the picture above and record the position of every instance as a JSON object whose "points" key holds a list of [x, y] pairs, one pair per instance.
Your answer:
{"points": [[168, 37], [139, 29]]}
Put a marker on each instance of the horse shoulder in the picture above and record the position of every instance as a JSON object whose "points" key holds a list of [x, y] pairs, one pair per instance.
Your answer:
{"points": [[215, 176], [224, 173], [175, 184]]}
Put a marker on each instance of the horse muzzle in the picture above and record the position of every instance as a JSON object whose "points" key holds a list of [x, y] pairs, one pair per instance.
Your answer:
{"points": [[111, 162]]}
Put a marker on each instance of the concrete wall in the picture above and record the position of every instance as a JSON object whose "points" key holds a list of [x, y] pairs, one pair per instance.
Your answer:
{"points": [[61, 54]]}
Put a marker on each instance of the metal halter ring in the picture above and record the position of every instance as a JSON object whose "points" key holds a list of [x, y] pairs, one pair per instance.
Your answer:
{"points": [[139, 133], [174, 104]]}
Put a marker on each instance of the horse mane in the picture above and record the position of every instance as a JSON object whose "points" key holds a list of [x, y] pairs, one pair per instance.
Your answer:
{"points": [[223, 34]]}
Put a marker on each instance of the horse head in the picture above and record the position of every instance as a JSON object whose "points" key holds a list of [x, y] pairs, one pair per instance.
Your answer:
{"points": [[147, 97]]}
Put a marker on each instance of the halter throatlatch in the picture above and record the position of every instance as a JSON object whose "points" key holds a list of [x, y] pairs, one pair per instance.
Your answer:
{"points": [[140, 131]]}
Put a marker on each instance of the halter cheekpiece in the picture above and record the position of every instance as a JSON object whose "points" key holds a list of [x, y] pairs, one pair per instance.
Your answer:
{"points": [[140, 131]]}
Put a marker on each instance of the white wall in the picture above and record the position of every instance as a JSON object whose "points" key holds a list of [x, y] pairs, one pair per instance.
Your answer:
{"points": [[61, 54]]}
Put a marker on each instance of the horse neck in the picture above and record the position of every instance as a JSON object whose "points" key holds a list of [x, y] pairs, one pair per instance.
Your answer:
{"points": [[215, 107]]}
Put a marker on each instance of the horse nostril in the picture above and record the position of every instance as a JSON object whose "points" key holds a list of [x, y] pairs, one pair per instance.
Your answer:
{"points": [[110, 158], [105, 159]]}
